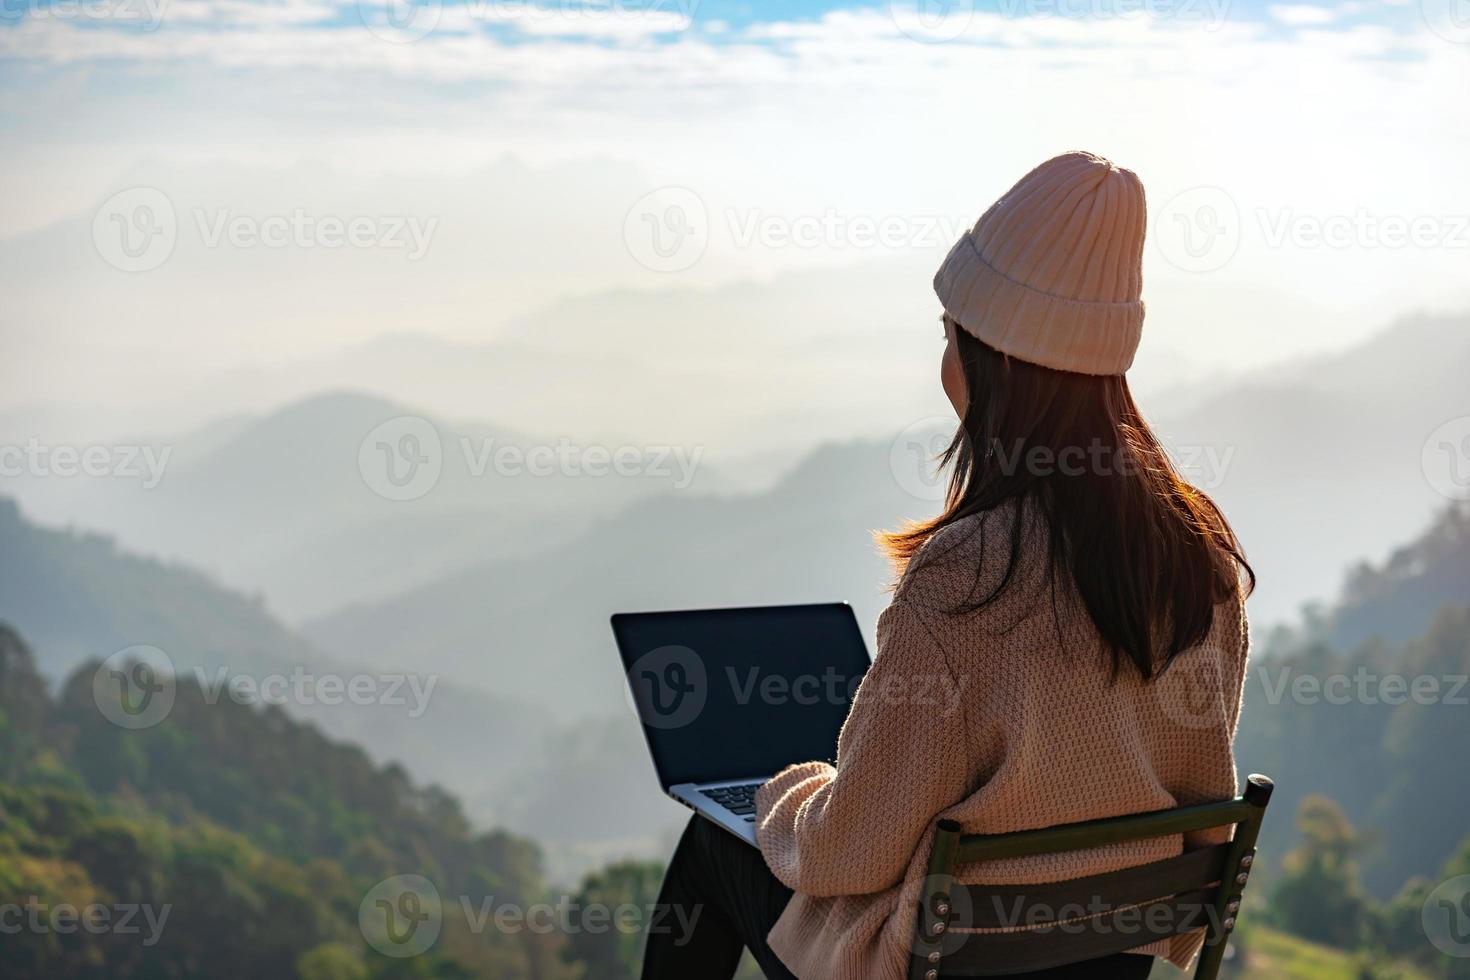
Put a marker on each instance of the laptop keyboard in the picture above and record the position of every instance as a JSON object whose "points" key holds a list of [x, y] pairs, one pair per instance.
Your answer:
{"points": [[739, 800]]}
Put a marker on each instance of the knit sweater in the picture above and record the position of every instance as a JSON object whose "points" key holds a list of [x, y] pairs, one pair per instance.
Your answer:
{"points": [[1007, 718]]}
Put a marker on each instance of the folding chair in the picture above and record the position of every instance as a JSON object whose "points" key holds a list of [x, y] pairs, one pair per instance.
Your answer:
{"points": [[1093, 917]]}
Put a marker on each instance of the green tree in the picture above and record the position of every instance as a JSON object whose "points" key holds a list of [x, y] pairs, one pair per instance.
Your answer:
{"points": [[617, 952], [1319, 896], [24, 705], [331, 961], [1402, 924]]}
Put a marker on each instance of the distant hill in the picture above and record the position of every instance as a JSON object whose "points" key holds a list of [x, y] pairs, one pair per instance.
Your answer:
{"points": [[1394, 600], [1325, 466], [1391, 601], [281, 505], [82, 598], [78, 595], [539, 625]]}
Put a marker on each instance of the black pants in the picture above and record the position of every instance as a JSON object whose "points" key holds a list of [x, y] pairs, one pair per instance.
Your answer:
{"points": [[719, 897], [726, 882]]}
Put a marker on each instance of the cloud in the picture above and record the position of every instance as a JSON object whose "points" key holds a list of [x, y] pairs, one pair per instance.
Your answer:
{"points": [[598, 22], [221, 14], [1301, 14], [785, 120], [560, 42]]}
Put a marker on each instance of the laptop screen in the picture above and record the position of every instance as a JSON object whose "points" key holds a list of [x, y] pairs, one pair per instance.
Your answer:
{"points": [[741, 693]]}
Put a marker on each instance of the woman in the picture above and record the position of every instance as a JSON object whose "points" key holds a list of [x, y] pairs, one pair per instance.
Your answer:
{"points": [[1071, 581]]}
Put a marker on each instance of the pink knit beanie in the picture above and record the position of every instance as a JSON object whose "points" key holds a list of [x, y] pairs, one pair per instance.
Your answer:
{"points": [[1053, 272]]}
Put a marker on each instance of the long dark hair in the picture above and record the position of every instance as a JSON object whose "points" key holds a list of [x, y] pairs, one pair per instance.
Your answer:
{"points": [[1150, 554]]}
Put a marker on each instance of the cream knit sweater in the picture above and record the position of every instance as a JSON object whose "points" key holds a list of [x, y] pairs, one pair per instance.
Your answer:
{"points": [[1005, 719]]}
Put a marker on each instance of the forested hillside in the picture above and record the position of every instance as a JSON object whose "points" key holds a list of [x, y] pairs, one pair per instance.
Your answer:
{"points": [[76, 595], [1368, 703], [232, 842]]}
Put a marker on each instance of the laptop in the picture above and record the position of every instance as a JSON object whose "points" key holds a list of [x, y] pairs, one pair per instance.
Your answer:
{"points": [[730, 697]]}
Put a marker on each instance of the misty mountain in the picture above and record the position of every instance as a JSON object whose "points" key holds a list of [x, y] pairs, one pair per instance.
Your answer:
{"points": [[533, 347], [538, 625], [80, 597], [1326, 460], [742, 365], [530, 384], [1392, 601], [299, 505]]}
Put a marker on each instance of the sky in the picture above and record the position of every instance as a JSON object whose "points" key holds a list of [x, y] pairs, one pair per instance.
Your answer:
{"points": [[299, 178]]}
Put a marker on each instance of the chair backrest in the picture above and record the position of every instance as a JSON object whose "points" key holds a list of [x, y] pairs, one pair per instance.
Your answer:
{"points": [[1086, 918]]}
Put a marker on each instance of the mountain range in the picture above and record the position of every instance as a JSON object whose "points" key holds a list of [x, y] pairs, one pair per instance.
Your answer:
{"points": [[296, 505], [1315, 476], [1318, 462]]}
